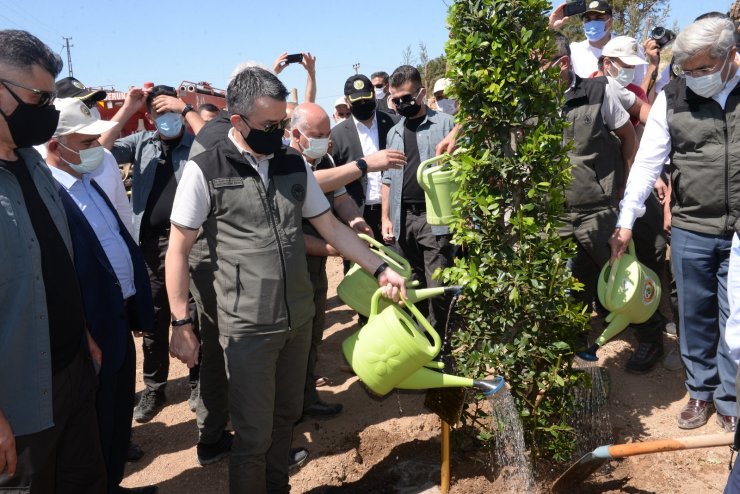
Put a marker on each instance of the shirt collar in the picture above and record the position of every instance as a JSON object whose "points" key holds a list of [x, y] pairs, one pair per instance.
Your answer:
{"points": [[68, 181], [246, 153], [361, 126]]}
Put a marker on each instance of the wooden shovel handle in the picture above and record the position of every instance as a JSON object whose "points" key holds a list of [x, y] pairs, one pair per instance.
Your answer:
{"points": [[690, 442]]}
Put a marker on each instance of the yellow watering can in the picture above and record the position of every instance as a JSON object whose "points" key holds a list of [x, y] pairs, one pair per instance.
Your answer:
{"points": [[391, 351], [438, 189], [630, 292], [358, 286]]}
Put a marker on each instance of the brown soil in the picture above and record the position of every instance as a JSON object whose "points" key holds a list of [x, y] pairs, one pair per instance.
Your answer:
{"points": [[391, 444]]}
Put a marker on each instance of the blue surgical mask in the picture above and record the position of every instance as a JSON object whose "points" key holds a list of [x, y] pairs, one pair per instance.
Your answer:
{"points": [[169, 125], [90, 159], [594, 30], [707, 85]]}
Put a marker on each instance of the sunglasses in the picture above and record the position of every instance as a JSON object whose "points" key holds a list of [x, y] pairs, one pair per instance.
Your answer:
{"points": [[379, 86], [406, 98], [45, 97], [269, 127]]}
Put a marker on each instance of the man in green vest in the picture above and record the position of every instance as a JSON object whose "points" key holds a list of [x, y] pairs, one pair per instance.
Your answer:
{"points": [[250, 195]]}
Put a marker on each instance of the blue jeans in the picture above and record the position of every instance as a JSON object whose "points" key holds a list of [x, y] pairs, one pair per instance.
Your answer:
{"points": [[700, 264]]}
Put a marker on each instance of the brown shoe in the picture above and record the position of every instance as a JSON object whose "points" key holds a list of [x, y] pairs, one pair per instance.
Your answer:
{"points": [[695, 414], [727, 422]]}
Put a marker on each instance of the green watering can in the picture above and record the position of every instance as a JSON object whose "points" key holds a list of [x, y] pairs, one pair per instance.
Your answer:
{"points": [[630, 292], [358, 286], [438, 189], [391, 351]]}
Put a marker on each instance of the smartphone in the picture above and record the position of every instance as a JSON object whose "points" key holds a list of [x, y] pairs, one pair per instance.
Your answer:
{"points": [[574, 8], [298, 57]]}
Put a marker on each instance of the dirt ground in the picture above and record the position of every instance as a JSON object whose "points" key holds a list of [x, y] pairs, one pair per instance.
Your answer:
{"points": [[391, 445]]}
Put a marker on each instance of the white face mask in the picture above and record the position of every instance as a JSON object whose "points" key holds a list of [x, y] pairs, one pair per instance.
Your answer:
{"points": [[447, 106], [379, 93], [624, 75], [317, 147], [708, 85], [90, 159]]}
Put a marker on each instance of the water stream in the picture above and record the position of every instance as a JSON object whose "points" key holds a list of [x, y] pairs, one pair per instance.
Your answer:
{"points": [[510, 451], [591, 416]]}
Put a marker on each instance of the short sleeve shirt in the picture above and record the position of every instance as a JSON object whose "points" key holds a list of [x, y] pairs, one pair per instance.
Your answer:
{"points": [[193, 200]]}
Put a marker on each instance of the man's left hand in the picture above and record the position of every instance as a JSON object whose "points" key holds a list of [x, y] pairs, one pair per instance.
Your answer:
{"points": [[360, 226], [184, 345], [309, 63], [392, 284], [164, 104]]}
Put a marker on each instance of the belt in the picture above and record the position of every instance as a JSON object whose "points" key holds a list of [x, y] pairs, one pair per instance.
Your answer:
{"points": [[373, 207], [415, 208]]}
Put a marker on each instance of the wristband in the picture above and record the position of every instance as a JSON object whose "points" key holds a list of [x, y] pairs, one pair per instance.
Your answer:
{"points": [[380, 269], [181, 322], [188, 108]]}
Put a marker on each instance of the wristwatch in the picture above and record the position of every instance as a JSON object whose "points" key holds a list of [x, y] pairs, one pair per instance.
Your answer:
{"points": [[362, 165], [181, 322], [188, 108]]}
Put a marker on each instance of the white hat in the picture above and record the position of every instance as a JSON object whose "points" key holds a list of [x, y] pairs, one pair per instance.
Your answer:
{"points": [[625, 49], [441, 84], [340, 101], [76, 118]]}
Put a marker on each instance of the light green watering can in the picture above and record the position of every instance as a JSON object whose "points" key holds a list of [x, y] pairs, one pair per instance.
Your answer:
{"points": [[435, 177], [391, 351], [358, 286], [630, 292]]}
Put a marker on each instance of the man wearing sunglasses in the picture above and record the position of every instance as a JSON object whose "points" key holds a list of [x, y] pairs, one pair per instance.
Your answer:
{"points": [[48, 428], [380, 86], [417, 135], [249, 194], [157, 158], [693, 122]]}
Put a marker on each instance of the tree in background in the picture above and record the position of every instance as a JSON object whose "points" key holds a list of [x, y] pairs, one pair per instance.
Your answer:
{"points": [[430, 69], [512, 172]]}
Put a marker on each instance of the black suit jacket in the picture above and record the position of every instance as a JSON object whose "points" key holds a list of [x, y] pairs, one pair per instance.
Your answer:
{"points": [[347, 148], [107, 317]]}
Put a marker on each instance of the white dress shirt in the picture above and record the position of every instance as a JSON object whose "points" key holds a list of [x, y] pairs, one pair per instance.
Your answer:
{"points": [[370, 141], [655, 148], [104, 223]]}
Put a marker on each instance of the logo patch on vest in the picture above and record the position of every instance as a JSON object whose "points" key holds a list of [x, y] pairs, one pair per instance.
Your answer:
{"points": [[587, 119], [219, 183], [298, 192]]}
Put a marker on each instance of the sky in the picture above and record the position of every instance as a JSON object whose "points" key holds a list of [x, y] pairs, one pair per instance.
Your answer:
{"points": [[123, 43]]}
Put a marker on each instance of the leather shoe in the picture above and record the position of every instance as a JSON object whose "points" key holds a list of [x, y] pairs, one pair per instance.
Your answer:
{"points": [[695, 414], [134, 452], [147, 489], [322, 410], [727, 422], [297, 457], [645, 357]]}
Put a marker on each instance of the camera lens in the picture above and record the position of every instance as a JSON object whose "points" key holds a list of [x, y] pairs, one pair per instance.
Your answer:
{"points": [[657, 32]]}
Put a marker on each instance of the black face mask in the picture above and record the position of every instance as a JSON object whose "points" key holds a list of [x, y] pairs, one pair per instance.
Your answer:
{"points": [[363, 110], [408, 110], [263, 142], [31, 125]]}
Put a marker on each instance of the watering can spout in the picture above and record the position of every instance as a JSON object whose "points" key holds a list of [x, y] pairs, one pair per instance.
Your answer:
{"points": [[490, 387], [590, 354]]}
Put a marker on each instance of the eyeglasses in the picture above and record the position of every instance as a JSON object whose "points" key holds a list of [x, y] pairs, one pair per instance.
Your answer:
{"points": [[45, 97], [269, 127], [704, 71], [406, 98], [379, 86]]}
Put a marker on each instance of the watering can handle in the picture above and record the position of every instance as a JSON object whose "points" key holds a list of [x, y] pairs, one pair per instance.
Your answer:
{"points": [[614, 269], [426, 164], [434, 349], [383, 251]]}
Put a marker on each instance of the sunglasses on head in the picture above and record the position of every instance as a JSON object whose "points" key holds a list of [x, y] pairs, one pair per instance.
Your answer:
{"points": [[45, 97], [406, 98]]}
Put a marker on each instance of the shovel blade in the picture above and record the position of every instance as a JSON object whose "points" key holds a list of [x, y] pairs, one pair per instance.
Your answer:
{"points": [[446, 402], [577, 473]]}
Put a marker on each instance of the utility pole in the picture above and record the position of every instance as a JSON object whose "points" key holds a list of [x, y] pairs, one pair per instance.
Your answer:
{"points": [[69, 55], [356, 66]]}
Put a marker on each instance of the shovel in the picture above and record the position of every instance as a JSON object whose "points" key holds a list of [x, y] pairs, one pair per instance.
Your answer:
{"points": [[590, 462]]}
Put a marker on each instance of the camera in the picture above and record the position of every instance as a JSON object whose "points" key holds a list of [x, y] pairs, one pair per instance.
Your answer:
{"points": [[662, 36]]}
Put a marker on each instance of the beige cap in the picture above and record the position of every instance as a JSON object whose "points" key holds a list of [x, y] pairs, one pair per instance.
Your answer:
{"points": [[625, 49], [76, 118]]}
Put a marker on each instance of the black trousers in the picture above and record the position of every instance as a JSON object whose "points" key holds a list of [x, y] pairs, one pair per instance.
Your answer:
{"points": [[115, 407], [66, 458], [156, 346]]}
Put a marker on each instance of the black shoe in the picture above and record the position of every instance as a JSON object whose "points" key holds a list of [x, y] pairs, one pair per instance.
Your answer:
{"points": [[134, 452], [147, 489], [211, 453], [150, 404], [644, 358], [194, 396], [297, 457], [322, 410]]}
